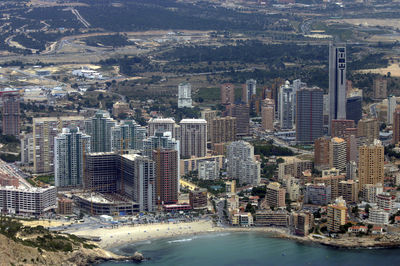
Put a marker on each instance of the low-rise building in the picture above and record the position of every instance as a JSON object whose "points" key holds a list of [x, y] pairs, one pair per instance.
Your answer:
{"points": [[358, 229], [272, 218], [198, 198], [385, 201], [378, 216]]}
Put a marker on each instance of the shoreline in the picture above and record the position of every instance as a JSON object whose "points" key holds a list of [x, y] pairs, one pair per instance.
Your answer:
{"points": [[113, 238]]}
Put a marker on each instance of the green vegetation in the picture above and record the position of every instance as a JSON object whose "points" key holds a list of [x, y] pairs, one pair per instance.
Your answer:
{"points": [[39, 237], [115, 40], [268, 149], [10, 158]]}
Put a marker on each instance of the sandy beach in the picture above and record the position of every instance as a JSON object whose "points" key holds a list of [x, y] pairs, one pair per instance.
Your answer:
{"points": [[129, 234]]}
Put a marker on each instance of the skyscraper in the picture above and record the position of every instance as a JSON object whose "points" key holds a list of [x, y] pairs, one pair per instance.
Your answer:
{"points": [[128, 134], [309, 114], [354, 108], [241, 163], [223, 129], [193, 137], [242, 113], [392, 104], [227, 93], [380, 88], [249, 89], [11, 113], [338, 127], [337, 81], [371, 164], [45, 129], [160, 140], [209, 115], [138, 180], [163, 125], [322, 153], [396, 126], [99, 128], [268, 114], [368, 128], [338, 151], [184, 95], [69, 149], [286, 102], [167, 187]]}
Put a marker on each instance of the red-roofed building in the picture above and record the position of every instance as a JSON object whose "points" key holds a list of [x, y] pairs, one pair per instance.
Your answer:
{"points": [[358, 229], [376, 230]]}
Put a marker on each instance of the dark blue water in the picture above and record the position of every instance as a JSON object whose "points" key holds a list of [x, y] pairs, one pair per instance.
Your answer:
{"points": [[251, 248]]}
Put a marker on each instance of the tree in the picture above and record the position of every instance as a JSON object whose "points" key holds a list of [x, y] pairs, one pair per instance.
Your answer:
{"points": [[250, 208]]}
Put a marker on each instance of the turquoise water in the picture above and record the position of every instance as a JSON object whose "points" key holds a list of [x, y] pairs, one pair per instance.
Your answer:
{"points": [[250, 248]]}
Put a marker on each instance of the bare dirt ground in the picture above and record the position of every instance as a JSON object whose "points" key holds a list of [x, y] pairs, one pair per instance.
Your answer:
{"points": [[394, 70], [394, 23]]}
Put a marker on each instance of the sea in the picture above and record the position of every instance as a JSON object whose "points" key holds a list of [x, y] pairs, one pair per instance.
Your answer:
{"points": [[249, 248]]}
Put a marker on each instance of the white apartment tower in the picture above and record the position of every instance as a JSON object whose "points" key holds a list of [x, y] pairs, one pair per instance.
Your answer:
{"points": [[241, 163], [69, 149], [184, 95]]}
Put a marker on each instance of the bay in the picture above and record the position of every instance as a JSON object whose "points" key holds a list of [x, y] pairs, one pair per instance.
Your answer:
{"points": [[250, 248]]}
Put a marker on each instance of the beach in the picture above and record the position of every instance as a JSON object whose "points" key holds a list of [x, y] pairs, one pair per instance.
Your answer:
{"points": [[111, 237]]}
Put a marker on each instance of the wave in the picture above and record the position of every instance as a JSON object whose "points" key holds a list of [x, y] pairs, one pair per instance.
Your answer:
{"points": [[180, 240]]}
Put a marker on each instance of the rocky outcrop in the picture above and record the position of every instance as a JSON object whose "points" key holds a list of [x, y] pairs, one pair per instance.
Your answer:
{"points": [[14, 253]]}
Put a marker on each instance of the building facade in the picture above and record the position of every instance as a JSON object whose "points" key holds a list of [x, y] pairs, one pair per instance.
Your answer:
{"points": [[309, 114], [185, 95], [70, 147], [193, 137]]}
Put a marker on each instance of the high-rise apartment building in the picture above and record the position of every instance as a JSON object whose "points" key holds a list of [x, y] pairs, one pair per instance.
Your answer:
{"points": [[275, 195], [354, 108], [371, 164], [392, 104], [227, 93], [138, 180], [336, 215], [332, 182], [380, 88], [241, 163], [45, 129], [317, 194], [249, 90], [128, 135], [267, 114], [223, 129], [27, 148], [69, 149], [11, 113], [337, 81], [396, 126], [185, 95], [209, 115], [160, 140], [368, 128], [167, 175], [193, 137], [286, 106], [349, 190], [338, 152], [309, 114], [338, 127], [322, 153], [163, 125], [242, 114], [99, 129], [101, 172]]}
